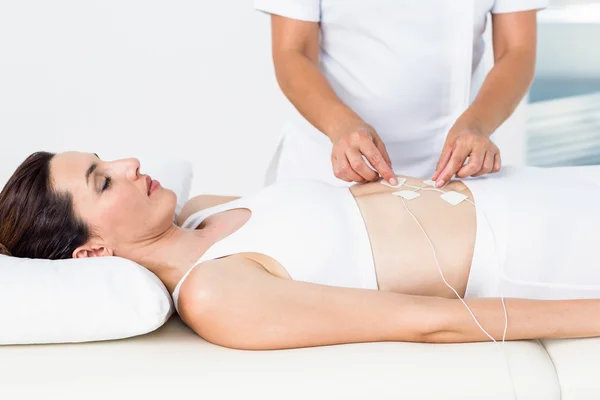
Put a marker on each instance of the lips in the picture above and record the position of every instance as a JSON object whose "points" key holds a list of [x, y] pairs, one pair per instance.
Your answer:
{"points": [[148, 184]]}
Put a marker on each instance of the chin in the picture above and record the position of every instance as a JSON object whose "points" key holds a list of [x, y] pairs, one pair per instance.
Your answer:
{"points": [[169, 201], [171, 196]]}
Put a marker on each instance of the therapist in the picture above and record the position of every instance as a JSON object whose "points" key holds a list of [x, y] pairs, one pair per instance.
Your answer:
{"points": [[389, 81]]}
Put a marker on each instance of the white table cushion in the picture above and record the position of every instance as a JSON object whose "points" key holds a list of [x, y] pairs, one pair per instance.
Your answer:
{"points": [[175, 363], [577, 364]]}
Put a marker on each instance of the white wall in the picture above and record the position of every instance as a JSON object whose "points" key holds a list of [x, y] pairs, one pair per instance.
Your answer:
{"points": [[133, 77]]}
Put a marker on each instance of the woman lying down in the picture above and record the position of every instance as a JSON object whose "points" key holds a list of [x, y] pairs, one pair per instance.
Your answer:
{"points": [[302, 263]]}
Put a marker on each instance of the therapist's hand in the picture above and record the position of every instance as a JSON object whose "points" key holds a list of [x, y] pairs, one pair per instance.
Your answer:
{"points": [[348, 163], [466, 141]]}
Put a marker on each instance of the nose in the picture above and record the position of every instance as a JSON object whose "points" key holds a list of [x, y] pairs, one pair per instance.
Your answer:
{"points": [[130, 167]]}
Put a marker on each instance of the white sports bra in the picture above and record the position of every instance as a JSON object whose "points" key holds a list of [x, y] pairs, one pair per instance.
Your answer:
{"points": [[313, 229]]}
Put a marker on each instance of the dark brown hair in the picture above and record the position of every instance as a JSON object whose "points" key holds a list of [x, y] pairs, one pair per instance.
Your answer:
{"points": [[35, 220]]}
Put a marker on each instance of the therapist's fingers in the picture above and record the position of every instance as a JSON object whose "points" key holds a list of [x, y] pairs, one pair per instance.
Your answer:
{"points": [[457, 160], [340, 164], [349, 163], [378, 162], [443, 161], [381, 147], [359, 166], [342, 169], [487, 166], [497, 162], [475, 164]]}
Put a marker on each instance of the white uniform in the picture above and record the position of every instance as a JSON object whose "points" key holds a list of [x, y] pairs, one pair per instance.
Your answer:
{"points": [[404, 66]]}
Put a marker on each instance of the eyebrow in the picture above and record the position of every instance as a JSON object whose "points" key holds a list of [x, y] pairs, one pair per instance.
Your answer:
{"points": [[89, 171]]}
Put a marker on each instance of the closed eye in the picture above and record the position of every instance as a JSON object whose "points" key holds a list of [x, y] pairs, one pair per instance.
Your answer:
{"points": [[107, 182]]}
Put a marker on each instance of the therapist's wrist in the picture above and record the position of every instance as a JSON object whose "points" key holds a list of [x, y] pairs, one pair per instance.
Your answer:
{"points": [[473, 124], [349, 127], [341, 121]]}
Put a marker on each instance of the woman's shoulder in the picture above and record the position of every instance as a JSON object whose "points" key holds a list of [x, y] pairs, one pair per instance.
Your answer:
{"points": [[215, 282], [202, 202]]}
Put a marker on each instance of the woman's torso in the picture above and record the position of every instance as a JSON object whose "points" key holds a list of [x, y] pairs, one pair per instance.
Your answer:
{"points": [[402, 258]]}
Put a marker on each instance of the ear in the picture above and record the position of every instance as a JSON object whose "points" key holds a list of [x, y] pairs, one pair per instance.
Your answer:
{"points": [[92, 250]]}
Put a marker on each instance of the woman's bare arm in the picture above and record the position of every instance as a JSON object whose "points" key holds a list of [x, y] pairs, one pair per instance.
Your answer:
{"points": [[236, 303], [527, 319]]}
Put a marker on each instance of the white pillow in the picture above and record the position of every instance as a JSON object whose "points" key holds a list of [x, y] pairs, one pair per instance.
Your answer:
{"points": [[81, 300], [78, 300]]}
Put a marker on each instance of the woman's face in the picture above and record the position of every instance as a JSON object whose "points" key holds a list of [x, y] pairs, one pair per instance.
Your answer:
{"points": [[113, 198]]}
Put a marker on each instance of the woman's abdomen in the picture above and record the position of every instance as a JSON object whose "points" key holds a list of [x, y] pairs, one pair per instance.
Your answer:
{"points": [[404, 259]]}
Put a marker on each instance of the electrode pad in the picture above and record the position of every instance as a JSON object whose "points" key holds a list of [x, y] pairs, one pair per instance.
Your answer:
{"points": [[429, 182], [407, 194], [454, 198], [401, 182]]}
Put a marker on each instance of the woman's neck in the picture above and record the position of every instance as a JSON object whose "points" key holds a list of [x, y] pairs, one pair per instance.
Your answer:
{"points": [[172, 253]]}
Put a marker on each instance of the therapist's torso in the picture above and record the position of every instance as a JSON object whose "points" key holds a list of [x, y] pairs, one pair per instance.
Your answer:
{"points": [[403, 66]]}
